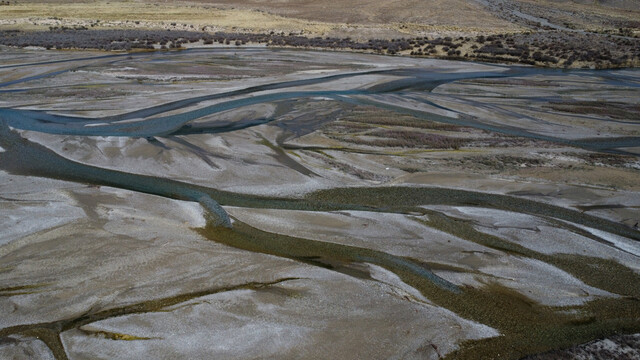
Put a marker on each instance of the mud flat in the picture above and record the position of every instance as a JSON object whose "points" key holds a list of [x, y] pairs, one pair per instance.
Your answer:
{"points": [[289, 203]]}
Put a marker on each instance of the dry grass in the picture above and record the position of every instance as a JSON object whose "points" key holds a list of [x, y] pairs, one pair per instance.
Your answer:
{"points": [[373, 117], [454, 13], [408, 139], [369, 21], [588, 10], [615, 110], [126, 14]]}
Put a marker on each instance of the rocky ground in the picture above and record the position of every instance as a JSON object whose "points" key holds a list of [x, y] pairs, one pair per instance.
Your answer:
{"points": [[506, 31], [615, 347], [380, 206]]}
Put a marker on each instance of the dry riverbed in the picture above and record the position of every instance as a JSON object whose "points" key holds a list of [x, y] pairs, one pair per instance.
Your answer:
{"points": [[379, 206]]}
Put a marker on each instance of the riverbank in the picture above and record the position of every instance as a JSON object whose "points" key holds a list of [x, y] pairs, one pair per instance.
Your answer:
{"points": [[549, 48], [545, 34], [433, 209]]}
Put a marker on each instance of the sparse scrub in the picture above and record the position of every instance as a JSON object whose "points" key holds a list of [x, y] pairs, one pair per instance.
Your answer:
{"points": [[615, 110], [399, 120], [552, 48], [408, 139]]}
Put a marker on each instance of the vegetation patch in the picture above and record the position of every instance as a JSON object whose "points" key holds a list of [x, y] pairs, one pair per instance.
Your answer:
{"points": [[114, 336], [612, 109], [548, 48], [408, 139]]}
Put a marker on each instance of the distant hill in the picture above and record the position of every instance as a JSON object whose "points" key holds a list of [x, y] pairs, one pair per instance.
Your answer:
{"points": [[559, 33], [616, 4], [359, 18]]}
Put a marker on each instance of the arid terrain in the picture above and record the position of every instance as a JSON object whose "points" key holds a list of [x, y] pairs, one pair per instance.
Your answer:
{"points": [[542, 33], [298, 179], [253, 202]]}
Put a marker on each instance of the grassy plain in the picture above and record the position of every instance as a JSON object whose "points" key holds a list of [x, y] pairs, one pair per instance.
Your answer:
{"points": [[377, 22]]}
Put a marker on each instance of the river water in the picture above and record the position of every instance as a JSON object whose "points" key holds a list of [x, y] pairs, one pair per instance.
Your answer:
{"points": [[188, 95], [23, 157]]}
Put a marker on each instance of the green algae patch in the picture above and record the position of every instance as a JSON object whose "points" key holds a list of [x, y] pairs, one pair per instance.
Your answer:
{"points": [[403, 197], [49, 332], [114, 336], [341, 258], [21, 290], [605, 274], [50, 335], [526, 326], [549, 327]]}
